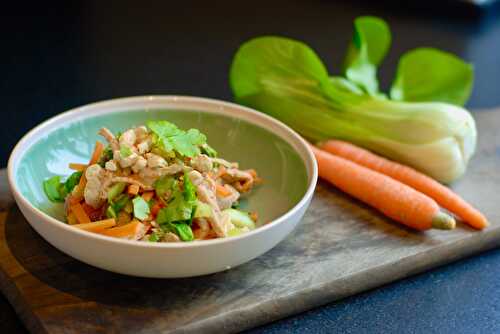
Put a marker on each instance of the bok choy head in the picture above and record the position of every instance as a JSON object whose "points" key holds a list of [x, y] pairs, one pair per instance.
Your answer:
{"points": [[421, 124]]}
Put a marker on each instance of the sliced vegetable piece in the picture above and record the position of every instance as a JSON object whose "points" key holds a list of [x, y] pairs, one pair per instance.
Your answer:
{"points": [[72, 181], [203, 210], [133, 189], [78, 167], [97, 226], [240, 219], [148, 195], [98, 149], [141, 208], [53, 189], [116, 190], [184, 231], [125, 231], [80, 214]]}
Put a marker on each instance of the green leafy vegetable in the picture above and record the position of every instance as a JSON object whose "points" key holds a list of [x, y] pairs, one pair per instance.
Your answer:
{"points": [[182, 205], [170, 138], [120, 203], [72, 181], [110, 212], [107, 155], [203, 210], [427, 74], [287, 80], [125, 151], [164, 186], [116, 190], [184, 231], [368, 48], [54, 189], [141, 208]]}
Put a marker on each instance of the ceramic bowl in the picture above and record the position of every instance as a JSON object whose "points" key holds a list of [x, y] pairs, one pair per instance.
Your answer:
{"points": [[281, 157]]}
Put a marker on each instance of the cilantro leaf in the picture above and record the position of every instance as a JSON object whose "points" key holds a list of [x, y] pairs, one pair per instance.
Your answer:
{"points": [[170, 138], [141, 208]]}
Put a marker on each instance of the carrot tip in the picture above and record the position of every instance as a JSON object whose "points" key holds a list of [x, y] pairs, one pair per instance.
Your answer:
{"points": [[443, 221]]}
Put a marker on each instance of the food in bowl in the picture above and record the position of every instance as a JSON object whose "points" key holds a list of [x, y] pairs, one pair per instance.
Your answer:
{"points": [[156, 183]]}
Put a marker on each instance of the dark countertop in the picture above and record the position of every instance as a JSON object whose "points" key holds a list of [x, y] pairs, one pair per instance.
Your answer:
{"points": [[57, 58]]}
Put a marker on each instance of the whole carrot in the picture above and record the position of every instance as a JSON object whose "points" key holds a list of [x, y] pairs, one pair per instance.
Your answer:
{"points": [[421, 182], [393, 198]]}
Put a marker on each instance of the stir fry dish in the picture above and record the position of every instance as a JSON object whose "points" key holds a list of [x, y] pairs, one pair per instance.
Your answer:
{"points": [[156, 183]]}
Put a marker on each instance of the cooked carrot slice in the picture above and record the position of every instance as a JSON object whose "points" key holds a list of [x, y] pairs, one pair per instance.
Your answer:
{"points": [[147, 195], [80, 214], [133, 189], [99, 147], [127, 230], [97, 226], [77, 167]]}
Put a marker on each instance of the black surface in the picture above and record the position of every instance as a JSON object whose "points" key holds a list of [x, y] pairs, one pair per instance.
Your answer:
{"points": [[56, 57]]}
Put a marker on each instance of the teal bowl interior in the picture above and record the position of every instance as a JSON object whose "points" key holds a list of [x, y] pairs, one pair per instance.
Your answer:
{"points": [[283, 171]]}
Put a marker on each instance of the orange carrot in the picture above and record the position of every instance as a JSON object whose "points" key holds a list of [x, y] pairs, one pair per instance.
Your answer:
{"points": [[407, 175], [99, 148], [127, 230], [393, 198], [97, 226], [147, 195], [72, 219], [80, 214], [133, 189], [222, 191], [77, 167]]}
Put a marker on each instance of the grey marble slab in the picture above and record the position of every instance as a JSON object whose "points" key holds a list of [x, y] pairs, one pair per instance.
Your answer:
{"points": [[340, 248]]}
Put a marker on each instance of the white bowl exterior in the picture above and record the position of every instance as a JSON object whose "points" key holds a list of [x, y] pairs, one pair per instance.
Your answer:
{"points": [[165, 260], [162, 262]]}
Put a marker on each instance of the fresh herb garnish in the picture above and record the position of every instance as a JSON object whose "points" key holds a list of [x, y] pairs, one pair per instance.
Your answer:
{"points": [[169, 137]]}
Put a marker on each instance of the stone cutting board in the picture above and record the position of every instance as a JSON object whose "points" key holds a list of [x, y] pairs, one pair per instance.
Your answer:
{"points": [[341, 248]]}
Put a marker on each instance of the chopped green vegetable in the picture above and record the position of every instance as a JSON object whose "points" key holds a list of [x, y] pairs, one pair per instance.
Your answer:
{"points": [[170, 138], [121, 203], [203, 210], [72, 181], [116, 190], [208, 150], [141, 208], [54, 189], [240, 219], [182, 204], [110, 212], [125, 151], [164, 186], [184, 231], [286, 79]]}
